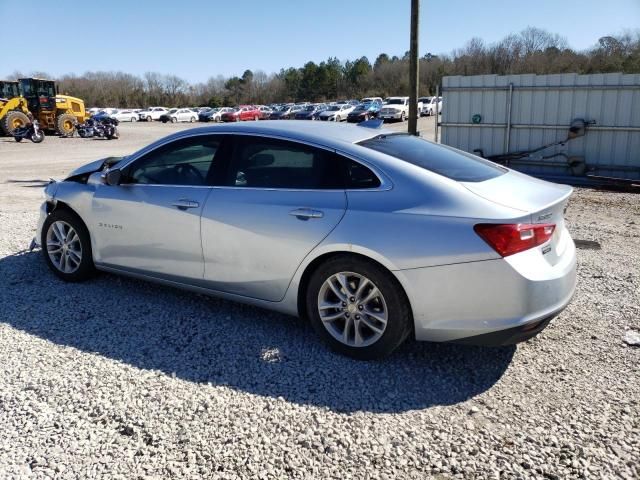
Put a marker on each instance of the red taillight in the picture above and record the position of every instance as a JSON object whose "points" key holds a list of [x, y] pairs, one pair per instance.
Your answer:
{"points": [[507, 239]]}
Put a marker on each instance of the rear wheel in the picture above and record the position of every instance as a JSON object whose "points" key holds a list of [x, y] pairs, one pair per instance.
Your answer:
{"points": [[65, 124], [256, 118], [358, 308], [149, 119], [66, 246], [402, 117], [134, 119], [12, 120], [193, 119]]}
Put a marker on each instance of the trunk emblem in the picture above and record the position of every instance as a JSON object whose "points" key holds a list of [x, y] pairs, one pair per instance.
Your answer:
{"points": [[545, 216]]}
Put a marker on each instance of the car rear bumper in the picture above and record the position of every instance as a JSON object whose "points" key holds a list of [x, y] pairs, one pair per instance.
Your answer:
{"points": [[492, 302]]}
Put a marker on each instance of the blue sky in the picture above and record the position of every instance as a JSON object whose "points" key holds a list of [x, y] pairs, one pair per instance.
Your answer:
{"points": [[196, 39]]}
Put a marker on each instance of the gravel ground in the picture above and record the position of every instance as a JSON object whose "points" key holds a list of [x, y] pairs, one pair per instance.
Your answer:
{"points": [[118, 378]]}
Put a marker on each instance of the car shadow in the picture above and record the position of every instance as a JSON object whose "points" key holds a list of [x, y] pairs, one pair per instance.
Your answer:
{"points": [[208, 340]]}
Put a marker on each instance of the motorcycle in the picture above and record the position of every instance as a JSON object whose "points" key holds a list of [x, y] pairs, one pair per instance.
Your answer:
{"points": [[103, 128], [32, 131]]}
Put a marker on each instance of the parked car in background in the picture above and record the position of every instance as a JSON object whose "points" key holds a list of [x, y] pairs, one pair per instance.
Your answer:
{"points": [[364, 112], [429, 105], [373, 235], [336, 113], [213, 114], [185, 115], [204, 115], [371, 99], [397, 108], [125, 116], [217, 116], [284, 112], [152, 113], [241, 114], [179, 115], [310, 112], [265, 112], [166, 117]]}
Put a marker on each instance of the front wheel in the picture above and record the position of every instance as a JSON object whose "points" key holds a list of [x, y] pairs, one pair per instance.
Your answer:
{"points": [[66, 246], [37, 137], [358, 308], [17, 139], [134, 119]]}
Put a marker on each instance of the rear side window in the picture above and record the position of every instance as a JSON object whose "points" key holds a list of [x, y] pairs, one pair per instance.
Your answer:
{"points": [[440, 159], [260, 162], [272, 163]]}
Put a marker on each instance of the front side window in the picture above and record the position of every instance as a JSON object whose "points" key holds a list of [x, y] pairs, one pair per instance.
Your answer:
{"points": [[440, 159], [188, 161]]}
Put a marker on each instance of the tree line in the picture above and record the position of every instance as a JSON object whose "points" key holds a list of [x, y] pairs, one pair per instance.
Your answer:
{"points": [[533, 50]]}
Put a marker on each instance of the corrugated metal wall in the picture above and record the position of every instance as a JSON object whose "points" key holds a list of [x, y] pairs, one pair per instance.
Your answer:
{"points": [[541, 110]]}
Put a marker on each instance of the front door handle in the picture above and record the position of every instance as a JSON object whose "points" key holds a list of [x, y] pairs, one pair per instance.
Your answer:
{"points": [[306, 213], [184, 204]]}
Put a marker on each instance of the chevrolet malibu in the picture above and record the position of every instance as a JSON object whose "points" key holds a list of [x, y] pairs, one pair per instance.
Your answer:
{"points": [[372, 235]]}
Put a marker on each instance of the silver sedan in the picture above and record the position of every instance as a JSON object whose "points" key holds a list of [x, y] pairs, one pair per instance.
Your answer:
{"points": [[372, 235]]}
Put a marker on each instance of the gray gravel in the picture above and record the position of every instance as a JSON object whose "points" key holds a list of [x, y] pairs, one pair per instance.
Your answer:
{"points": [[118, 378]]}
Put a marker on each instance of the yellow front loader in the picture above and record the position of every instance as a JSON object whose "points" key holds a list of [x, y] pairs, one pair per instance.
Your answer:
{"points": [[59, 113], [13, 107]]}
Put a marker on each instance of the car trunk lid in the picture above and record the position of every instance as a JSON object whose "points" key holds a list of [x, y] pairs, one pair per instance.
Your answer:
{"points": [[541, 201]]}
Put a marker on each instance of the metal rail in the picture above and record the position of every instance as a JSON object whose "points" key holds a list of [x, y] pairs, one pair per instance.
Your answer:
{"points": [[544, 127], [546, 87]]}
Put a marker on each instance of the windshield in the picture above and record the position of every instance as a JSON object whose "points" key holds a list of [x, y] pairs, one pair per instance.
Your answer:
{"points": [[446, 161], [8, 89], [310, 108], [395, 101], [334, 108], [173, 110]]}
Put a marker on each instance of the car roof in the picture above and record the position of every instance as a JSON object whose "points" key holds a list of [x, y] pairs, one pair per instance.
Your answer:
{"points": [[320, 133]]}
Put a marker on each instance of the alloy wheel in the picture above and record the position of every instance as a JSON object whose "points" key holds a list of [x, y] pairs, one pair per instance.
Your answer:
{"points": [[352, 309], [64, 247]]}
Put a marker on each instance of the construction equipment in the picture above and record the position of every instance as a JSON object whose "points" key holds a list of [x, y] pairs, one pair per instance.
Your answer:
{"points": [[13, 108], [37, 96], [55, 112], [8, 89]]}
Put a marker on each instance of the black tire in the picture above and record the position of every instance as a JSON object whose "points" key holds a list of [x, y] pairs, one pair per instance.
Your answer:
{"points": [[399, 324], [17, 139], [149, 119], [65, 124], [402, 117], [13, 120], [86, 268]]}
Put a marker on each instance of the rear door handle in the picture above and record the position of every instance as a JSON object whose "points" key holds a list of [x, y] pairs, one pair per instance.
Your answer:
{"points": [[306, 213], [184, 204]]}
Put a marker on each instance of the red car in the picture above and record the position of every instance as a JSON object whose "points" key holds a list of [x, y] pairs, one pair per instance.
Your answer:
{"points": [[241, 113]]}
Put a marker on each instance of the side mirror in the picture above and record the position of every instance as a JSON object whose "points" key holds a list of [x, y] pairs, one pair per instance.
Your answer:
{"points": [[112, 177]]}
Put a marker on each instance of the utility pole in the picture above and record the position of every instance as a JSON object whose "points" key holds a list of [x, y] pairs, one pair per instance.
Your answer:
{"points": [[413, 68]]}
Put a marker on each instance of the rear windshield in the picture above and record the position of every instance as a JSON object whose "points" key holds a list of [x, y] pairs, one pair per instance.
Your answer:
{"points": [[440, 159]]}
